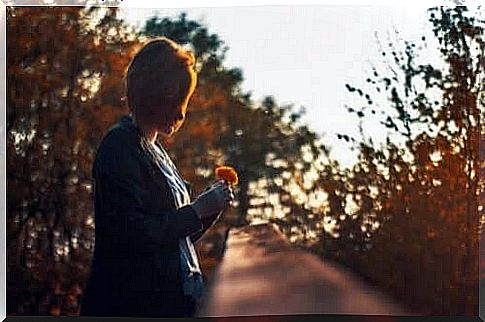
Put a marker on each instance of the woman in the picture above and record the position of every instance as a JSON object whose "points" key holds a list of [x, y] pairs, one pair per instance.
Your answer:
{"points": [[144, 261]]}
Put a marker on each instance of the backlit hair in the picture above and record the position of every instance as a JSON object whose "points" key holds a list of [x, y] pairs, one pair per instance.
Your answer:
{"points": [[160, 75]]}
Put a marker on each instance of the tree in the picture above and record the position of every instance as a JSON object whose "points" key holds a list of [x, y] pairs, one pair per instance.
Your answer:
{"points": [[425, 177]]}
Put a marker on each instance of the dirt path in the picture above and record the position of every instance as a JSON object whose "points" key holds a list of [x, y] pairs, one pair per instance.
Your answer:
{"points": [[262, 274]]}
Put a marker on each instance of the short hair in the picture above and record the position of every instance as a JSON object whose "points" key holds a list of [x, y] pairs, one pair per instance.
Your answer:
{"points": [[160, 75]]}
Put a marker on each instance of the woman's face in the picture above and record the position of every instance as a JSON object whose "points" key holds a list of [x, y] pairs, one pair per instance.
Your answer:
{"points": [[166, 120], [167, 126]]}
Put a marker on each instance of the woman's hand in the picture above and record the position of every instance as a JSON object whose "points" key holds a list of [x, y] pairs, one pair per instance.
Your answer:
{"points": [[231, 192], [213, 199]]}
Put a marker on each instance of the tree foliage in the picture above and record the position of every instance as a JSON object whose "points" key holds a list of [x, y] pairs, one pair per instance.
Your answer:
{"points": [[415, 227]]}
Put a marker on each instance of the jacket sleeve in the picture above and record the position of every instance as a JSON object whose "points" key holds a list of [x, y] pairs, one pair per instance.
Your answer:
{"points": [[119, 176]]}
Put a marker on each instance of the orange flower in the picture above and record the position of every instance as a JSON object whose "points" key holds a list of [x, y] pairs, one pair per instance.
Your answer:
{"points": [[228, 174]]}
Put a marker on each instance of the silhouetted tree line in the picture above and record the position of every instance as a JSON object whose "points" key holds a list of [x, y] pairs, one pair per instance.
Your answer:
{"points": [[405, 216]]}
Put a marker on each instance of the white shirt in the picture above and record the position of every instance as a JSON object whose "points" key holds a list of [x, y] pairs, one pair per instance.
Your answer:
{"points": [[191, 272]]}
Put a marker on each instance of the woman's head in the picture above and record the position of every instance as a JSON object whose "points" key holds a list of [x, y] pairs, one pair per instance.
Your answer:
{"points": [[160, 81]]}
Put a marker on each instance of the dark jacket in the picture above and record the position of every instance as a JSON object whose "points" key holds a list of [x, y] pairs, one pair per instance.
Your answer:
{"points": [[135, 269]]}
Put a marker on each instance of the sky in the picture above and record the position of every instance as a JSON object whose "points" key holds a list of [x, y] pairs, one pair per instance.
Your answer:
{"points": [[305, 54]]}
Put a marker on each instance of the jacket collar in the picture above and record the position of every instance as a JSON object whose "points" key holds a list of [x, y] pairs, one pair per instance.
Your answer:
{"points": [[127, 121]]}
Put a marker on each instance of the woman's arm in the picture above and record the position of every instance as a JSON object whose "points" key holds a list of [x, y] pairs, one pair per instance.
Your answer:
{"points": [[121, 188]]}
